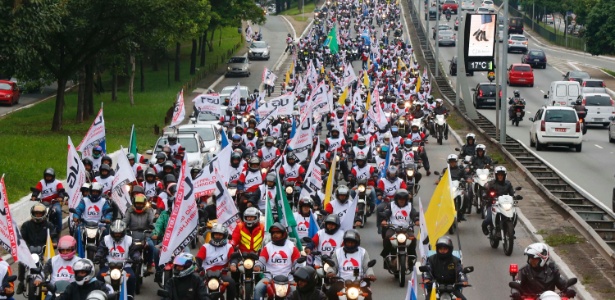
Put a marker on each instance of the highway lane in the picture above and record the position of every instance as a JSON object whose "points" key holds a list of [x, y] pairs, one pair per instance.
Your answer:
{"points": [[592, 168], [28, 99]]}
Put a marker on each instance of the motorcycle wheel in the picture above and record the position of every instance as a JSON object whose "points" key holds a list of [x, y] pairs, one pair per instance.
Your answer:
{"points": [[401, 260], [247, 292], [508, 238], [31, 290], [139, 283], [439, 140], [492, 240], [483, 211], [479, 202]]}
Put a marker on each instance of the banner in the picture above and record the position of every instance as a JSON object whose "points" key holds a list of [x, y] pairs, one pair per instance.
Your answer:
{"points": [[182, 225], [120, 186], [208, 103], [347, 219], [217, 170], [375, 111], [423, 235], [284, 105], [268, 77], [75, 175], [285, 213], [10, 237], [329, 188], [413, 286], [319, 99], [301, 143], [349, 75], [226, 211], [179, 113], [441, 212], [132, 144], [235, 96], [94, 137]]}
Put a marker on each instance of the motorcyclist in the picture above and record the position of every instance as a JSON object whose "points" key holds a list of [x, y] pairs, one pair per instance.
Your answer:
{"points": [[305, 277], [249, 183], [268, 153], [540, 275], [118, 247], [237, 167], [105, 178], [302, 216], [215, 256], [237, 143], [580, 108], [7, 289], [391, 183], [382, 157], [268, 190], [346, 258], [34, 233], [362, 170], [151, 186], [362, 147], [441, 110], [445, 267], [60, 267], [250, 141], [138, 217], [278, 257], [94, 208], [513, 101], [481, 160], [291, 171], [89, 172], [161, 157], [340, 204], [398, 213], [172, 138], [501, 186], [327, 239], [85, 282], [458, 173], [248, 235], [185, 284], [97, 155], [52, 193], [470, 147]]}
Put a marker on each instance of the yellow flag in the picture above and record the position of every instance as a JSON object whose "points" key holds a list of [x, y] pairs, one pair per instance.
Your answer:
{"points": [[365, 80], [49, 253], [432, 295], [400, 64], [322, 69], [287, 79], [368, 101], [418, 83], [329, 189], [441, 212], [343, 96]]}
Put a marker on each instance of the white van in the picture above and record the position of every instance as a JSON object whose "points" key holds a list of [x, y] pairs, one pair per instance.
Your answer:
{"points": [[563, 93]]}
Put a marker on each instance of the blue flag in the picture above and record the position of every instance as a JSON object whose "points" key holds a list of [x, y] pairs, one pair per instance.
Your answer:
{"points": [[383, 173], [80, 249], [256, 116], [224, 141], [294, 128], [313, 229], [123, 290]]}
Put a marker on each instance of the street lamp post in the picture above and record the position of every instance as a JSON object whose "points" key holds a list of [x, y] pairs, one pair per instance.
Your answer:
{"points": [[503, 68]]}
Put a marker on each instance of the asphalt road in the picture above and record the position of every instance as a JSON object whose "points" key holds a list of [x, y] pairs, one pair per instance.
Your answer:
{"points": [[27, 99], [592, 168]]}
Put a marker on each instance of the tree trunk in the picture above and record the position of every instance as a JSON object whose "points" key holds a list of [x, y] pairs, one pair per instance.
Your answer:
{"points": [[193, 57], [56, 124], [99, 85], [220, 38], [204, 44], [211, 40], [80, 97], [200, 44], [89, 89], [131, 83], [178, 49], [142, 74], [114, 86]]}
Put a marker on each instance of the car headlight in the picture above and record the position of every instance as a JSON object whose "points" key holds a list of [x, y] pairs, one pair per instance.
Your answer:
{"points": [[401, 238], [213, 284], [352, 293], [91, 232], [361, 188], [232, 191], [410, 173], [281, 290], [506, 206], [115, 274], [250, 51], [248, 264], [212, 149], [289, 189], [228, 68]]}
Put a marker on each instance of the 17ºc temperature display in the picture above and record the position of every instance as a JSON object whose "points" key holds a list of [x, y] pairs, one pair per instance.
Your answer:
{"points": [[479, 65]]}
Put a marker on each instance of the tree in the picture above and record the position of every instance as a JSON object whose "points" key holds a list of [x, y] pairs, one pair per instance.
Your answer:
{"points": [[600, 26]]}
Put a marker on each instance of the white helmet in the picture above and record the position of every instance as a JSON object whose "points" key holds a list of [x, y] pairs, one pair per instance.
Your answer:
{"points": [[96, 295], [387, 136], [451, 157], [538, 250], [549, 295], [438, 101], [500, 169], [470, 135], [482, 147], [87, 265]]}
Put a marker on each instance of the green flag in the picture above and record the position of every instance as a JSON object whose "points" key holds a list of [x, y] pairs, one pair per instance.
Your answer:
{"points": [[268, 213], [285, 214], [332, 41], [132, 146]]}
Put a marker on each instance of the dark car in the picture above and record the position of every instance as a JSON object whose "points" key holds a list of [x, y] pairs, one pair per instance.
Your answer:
{"points": [[484, 94], [452, 69], [535, 58], [433, 13], [577, 76], [515, 25]]}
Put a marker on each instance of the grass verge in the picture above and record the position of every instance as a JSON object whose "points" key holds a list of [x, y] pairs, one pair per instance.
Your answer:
{"points": [[610, 72], [308, 9], [559, 239], [30, 146]]}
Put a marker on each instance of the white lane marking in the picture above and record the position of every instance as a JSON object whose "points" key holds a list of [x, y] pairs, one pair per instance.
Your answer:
{"points": [[574, 66], [598, 146], [542, 91]]}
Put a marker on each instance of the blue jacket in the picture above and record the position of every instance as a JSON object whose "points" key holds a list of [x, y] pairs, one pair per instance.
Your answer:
{"points": [[81, 209]]}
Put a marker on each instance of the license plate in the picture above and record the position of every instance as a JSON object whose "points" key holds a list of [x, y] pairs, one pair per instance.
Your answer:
{"points": [[598, 119], [521, 79], [536, 60], [490, 100], [560, 129]]}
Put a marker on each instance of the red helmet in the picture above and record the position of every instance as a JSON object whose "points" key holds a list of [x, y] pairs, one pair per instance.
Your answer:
{"points": [[67, 242]]}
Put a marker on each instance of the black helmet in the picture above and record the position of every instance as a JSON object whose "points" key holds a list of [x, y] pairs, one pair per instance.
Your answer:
{"points": [[269, 140], [107, 160], [161, 155], [104, 167], [49, 172], [402, 194], [307, 274], [168, 164], [137, 189], [150, 175], [291, 156], [169, 178], [517, 94], [445, 241], [334, 219], [172, 138], [87, 161], [254, 164], [278, 227], [352, 235], [117, 230]]}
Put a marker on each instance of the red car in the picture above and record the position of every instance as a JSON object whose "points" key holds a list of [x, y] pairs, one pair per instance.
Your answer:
{"points": [[9, 92], [452, 4], [520, 74]]}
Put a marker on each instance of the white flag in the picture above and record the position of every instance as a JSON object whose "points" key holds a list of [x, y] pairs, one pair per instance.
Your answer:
{"points": [[235, 96], [209, 103], [349, 75], [75, 175], [94, 137], [10, 237], [179, 113], [375, 111], [120, 187], [268, 77], [284, 104], [182, 225], [301, 143], [313, 176], [424, 237], [347, 218], [319, 99], [226, 211], [217, 170]]}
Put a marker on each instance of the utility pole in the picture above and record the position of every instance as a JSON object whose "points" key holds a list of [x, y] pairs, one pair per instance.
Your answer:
{"points": [[504, 75], [437, 40]]}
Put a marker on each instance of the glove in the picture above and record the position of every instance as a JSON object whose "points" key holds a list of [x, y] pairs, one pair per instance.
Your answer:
{"points": [[571, 293]]}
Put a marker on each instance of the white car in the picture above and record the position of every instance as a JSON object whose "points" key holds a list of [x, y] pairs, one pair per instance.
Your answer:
{"points": [[195, 151], [556, 126], [467, 5], [206, 118], [208, 133], [488, 4], [517, 42], [225, 93], [599, 108], [482, 10]]}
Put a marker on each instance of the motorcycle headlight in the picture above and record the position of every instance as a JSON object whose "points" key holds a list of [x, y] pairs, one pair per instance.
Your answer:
{"points": [[115, 274], [212, 149], [213, 284], [327, 268], [401, 238], [410, 173], [91, 232], [352, 293], [401, 122], [281, 290], [264, 170], [482, 176], [361, 188], [414, 149], [506, 206], [407, 104], [248, 264], [35, 257], [349, 118], [289, 189], [232, 191]]}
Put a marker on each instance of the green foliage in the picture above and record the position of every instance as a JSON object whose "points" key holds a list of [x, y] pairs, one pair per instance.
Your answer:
{"points": [[558, 239], [600, 27]]}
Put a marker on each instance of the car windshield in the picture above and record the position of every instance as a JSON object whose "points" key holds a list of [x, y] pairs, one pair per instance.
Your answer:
{"points": [[5, 87], [258, 44], [450, 2], [500, 27], [537, 53], [488, 88], [597, 100], [205, 116], [237, 60], [593, 83], [487, 2], [522, 68], [206, 133], [560, 115], [579, 74], [189, 144], [517, 38]]}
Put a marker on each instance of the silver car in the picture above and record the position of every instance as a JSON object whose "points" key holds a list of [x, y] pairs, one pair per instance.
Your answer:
{"points": [[467, 5], [447, 38], [225, 94], [258, 50], [501, 32], [209, 134], [238, 66], [517, 42]]}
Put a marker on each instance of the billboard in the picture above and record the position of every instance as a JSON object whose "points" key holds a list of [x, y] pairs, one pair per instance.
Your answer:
{"points": [[479, 42]]}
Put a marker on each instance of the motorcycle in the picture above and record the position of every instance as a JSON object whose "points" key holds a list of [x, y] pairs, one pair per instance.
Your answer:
{"points": [[440, 127], [518, 112], [445, 291], [513, 269], [363, 204], [491, 76], [269, 89], [481, 177], [278, 287], [459, 190], [116, 274], [401, 264], [248, 278], [91, 232], [409, 171], [140, 269], [292, 193], [503, 221], [352, 288], [31, 291], [214, 285]]}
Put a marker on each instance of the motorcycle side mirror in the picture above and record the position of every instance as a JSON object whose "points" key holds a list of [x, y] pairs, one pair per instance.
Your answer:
{"points": [[163, 293], [371, 263], [33, 190], [514, 285], [301, 259], [545, 96], [457, 149], [570, 282], [467, 270], [518, 188], [436, 172], [518, 197], [72, 210], [306, 240], [424, 269]]}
